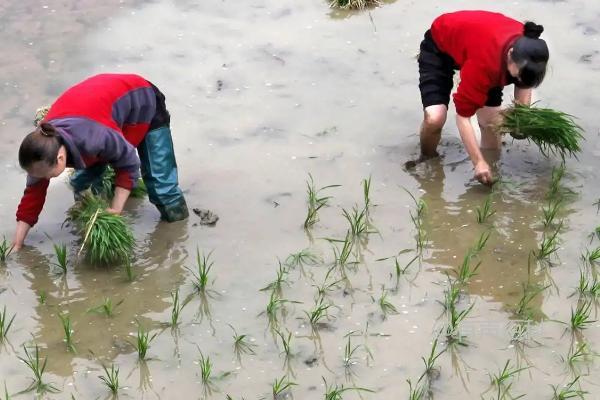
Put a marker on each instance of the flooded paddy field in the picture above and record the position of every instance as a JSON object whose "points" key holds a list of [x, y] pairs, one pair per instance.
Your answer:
{"points": [[263, 95]]}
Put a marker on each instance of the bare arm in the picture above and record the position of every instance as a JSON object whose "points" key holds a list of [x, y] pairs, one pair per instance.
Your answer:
{"points": [[119, 199], [482, 170], [523, 96], [20, 234]]}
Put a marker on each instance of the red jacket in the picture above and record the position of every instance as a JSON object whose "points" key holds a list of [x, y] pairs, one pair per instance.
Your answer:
{"points": [[101, 121], [478, 42]]}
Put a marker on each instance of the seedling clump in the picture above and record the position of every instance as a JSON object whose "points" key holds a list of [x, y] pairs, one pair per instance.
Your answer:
{"points": [[315, 202]]}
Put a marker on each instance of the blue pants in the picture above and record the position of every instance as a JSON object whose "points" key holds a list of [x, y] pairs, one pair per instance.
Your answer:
{"points": [[159, 172]]}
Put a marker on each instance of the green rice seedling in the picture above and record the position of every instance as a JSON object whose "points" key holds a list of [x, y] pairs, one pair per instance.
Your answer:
{"points": [[481, 242], [581, 316], [286, 342], [129, 271], [6, 395], [318, 313], [37, 367], [107, 307], [587, 287], [205, 369], [430, 368], [5, 249], [203, 264], [241, 345], [455, 318], [530, 292], [327, 286], [342, 256], [451, 295], [359, 224], [568, 391], [111, 378], [335, 392], [274, 305], [5, 323], [143, 341], [315, 202], [417, 218], [554, 132], [106, 237], [592, 256], [465, 271], [349, 358], [60, 252], [107, 189], [502, 381], [580, 353], [281, 279], [403, 270], [556, 190], [549, 244], [303, 257], [280, 386], [65, 320], [417, 392], [42, 297], [485, 211], [366, 184], [176, 308], [386, 307], [354, 4], [551, 211]]}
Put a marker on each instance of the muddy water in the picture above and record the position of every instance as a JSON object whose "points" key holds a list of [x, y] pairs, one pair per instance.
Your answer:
{"points": [[261, 94]]}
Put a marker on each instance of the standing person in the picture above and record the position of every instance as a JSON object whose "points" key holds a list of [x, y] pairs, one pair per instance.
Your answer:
{"points": [[98, 122], [491, 51]]}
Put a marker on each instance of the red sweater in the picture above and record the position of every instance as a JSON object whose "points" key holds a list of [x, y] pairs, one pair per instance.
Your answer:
{"points": [[478, 42], [101, 121]]}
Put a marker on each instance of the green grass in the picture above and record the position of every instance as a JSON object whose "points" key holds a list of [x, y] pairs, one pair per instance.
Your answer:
{"points": [[481, 242], [280, 386], [485, 211], [417, 217], [581, 316], [5, 323], [385, 306], [143, 340], [37, 366], [366, 184], [107, 307], [335, 392], [60, 252], [342, 256], [466, 271], [588, 287], [5, 249], [316, 201], [111, 378], [353, 4], [358, 222], [65, 320], [592, 256], [580, 353], [176, 308], [318, 313], [106, 238], [431, 359], [241, 345], [451, 295], [549, 244], [554, 132], [129, 271], [455, 318], [551, 211], [530, 292], [203, 266], [301, 258], [206, 368], [279, 281], [503, 381], [349, 357], [327, 285], [286, 343], [416, 392], [108, 186], [568, 391]]}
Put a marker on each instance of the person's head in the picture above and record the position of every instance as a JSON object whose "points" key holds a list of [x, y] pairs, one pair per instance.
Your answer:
{"points": [[42, 153], [528, 57]]}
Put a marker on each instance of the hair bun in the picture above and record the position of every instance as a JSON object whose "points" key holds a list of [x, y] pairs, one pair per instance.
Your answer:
{"points": [[532, 30], [46, 129]]}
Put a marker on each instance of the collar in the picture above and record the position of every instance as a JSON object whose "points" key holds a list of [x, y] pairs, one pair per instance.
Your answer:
{"points": [[73, 154]]}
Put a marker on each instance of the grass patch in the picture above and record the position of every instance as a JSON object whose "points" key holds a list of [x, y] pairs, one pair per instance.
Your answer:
{"points": [[554, 132], [503, 381], [111, 378], [354, 4], [65, 320], [143, 340], [280, 386], [316, 201], [107, 307], [485, 211], [5, 249], [581, 316], [37, 366], [61, 254], [203, 266], [568, 391]]}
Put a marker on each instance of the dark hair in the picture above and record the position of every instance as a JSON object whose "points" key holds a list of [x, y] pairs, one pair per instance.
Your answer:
{"points": [[531, 54], [40, 145]]}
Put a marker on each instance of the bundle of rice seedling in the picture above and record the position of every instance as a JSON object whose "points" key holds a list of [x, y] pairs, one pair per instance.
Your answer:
{"points": [[106, 237], [108, 185], [554, 132], [354, 4]]}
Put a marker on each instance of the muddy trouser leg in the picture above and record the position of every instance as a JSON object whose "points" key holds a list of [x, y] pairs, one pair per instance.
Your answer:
{"points": [[159, 171], [83, 179]]}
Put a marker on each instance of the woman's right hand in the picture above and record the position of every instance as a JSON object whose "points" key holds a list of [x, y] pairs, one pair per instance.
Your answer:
{"points": [[20, 235], [483, 173]]}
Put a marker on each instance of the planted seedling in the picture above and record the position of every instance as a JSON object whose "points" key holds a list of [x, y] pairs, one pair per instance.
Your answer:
{"points": [[241, 345], [580, 353], [129, 271], [481, 242], [204, 265], [37, 367], [111, 378], [359, 224], [417, 392], [386, 307], [274, 305], [315, 202], [350, 351], [280, 386], [303, 257], [466, 272], [530, 292], [5, 249], [318, 313], [205, 369], [286, 341], [587, 287], [417, 217], [60, 252], [65, 320], [568, 391], [143, 341], [327, 286], [430, 368], [366, 184], [342, 256], [592, 256], [281, 279], [107, 307], [485, 211], [581, 316], [502, 381], [5, 324], [550, 211], [549, 244], [176, 308], [451, 295], [455, 318], [335, 392]]}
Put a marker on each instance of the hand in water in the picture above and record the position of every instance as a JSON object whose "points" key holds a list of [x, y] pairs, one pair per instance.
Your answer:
{"points": [[483, 173]]}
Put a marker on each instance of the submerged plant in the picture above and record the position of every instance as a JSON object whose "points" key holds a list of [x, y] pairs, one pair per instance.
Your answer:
{"points": [[176, 308], [107, 307], [203, 265], [205, 369], [502, 381], [359, 224], [281, 385], [37, 367], [318, 313], [241, 345], [550, 211], [554, 132], [335, 392], [485, 211], [286, 341], [65, 320], [303, 257], [279, 280], [581, 316], [106, 237], [315, 202], [143, 340], [530, 292], [549, 244], [111, 378], [5, 323], [60, 252], [465, 271], [366, 184], [5, 249], [568, 391], [386, 307], [417, 219]]}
